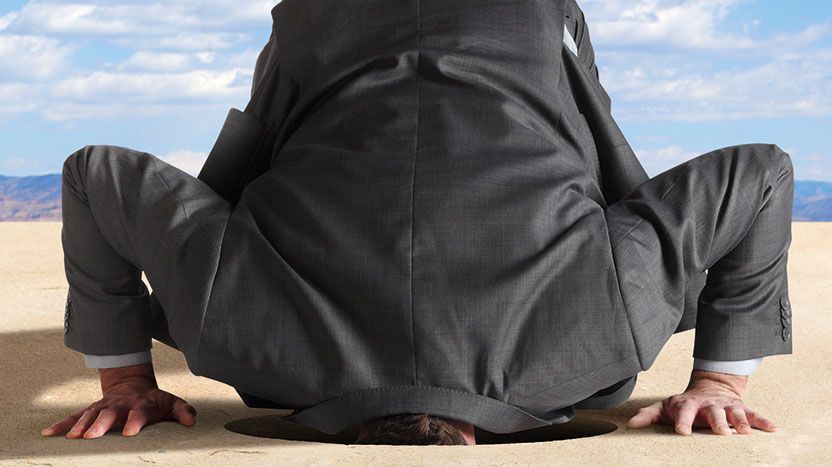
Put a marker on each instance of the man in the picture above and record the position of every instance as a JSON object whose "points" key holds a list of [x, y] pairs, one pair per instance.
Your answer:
{"points": [[425, 221]]}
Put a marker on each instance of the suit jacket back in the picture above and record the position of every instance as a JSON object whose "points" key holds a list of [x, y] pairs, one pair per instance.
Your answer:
{"points": [[420, 224]]}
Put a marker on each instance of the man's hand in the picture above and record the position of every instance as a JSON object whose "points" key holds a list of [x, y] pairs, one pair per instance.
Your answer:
{"points": [[131, 399], [711, 400]]}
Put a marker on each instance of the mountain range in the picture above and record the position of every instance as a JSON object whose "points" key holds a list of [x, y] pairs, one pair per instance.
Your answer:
{"points": [[38, 198], [33, 198]]}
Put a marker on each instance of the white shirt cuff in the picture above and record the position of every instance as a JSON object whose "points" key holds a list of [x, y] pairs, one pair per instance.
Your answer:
{"points": [[115, 361], [735, 367]]}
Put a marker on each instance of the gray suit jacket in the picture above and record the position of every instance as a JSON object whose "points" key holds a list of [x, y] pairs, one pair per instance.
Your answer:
{"points": [[419, 192]]}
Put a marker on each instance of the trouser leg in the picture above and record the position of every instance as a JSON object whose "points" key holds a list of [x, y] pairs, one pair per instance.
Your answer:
{"points": [[125, 212], [727, 211]]}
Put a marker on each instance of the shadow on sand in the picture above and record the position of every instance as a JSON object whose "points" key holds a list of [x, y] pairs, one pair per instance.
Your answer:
{"points": [[39, 367]]}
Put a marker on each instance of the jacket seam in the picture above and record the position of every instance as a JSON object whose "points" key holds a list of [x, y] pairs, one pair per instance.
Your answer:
{"points": [[624, 305], [218, 250], [641, 219], [254, 159], [413, 189], [641, 260]]}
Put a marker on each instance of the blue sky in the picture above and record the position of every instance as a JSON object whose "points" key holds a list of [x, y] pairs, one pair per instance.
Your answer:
{"points": [[685, 76]]}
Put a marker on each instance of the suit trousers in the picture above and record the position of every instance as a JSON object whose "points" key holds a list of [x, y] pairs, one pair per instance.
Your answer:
{"points": [[727, 212], [125, 212]]}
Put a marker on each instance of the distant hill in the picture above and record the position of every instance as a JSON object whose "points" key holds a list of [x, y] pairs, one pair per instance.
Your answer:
{"points": [[35, 198], [812, 201], [38, 198]]}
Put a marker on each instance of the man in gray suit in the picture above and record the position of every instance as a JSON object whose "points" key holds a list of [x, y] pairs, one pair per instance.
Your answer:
{"points": [[426, 221]]}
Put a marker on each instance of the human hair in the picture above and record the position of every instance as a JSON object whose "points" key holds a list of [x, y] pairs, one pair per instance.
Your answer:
{"points": [[414, 429]]}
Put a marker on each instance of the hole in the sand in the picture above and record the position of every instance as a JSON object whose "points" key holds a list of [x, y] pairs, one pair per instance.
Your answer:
{"points": [[274, 426]]}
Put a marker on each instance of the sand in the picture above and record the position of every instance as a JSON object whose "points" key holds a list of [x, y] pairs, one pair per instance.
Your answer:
{"points": [[43, 381]]}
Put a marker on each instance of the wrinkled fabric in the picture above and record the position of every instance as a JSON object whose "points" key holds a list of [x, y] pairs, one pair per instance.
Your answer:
{"points": [[450, 222], [431, 214]]}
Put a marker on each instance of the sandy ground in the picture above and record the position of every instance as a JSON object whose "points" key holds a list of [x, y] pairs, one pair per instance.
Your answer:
{"points": [[42, 381]]}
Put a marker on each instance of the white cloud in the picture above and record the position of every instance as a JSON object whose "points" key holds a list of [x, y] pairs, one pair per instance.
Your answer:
{"points": [[32, 56], [7, 19], [67, 110], [659, 59], [789, 84], [810, 166], [698, 26], [140, 18], [186, 159], [657, 160], [156, 61], [127, 94], [206, 57], [82, 17], [153, 87], [664, 23], [18, 97], [192, 25], [182, 55], [15, 162], [681, 60], [183, 41], [169, 61], [815, 172]]}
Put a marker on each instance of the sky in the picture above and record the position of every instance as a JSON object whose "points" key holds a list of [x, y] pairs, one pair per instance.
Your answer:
{"points": [[685, 76]]}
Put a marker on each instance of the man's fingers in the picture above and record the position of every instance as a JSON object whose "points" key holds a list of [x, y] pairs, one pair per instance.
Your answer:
{"points": [[83, 423], [106, 419], [646, 416], [717, 419], [736, 415], [185, 414], [758, 421], [684, 416], [62, 425], [136, 419]]}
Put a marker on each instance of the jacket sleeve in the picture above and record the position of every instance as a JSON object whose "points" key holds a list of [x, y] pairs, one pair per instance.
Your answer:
{"points": [[244, 148], [265, 59], [586, 53], [620, 169]]}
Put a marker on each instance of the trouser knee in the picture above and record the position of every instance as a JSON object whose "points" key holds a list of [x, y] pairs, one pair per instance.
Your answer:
{"points": [[73, 173], [765, 166], [83, 155], [76, 165], [785, 162], [771, 157], [96, 167]]}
